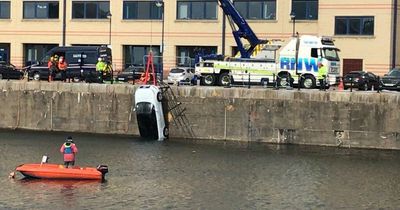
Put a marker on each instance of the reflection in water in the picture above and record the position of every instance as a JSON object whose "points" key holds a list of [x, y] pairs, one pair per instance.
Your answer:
{"points": [[65, 191], [193, 175]]}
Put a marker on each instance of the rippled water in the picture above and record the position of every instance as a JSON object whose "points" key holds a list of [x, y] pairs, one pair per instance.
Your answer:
{"points": [[193, 175]]}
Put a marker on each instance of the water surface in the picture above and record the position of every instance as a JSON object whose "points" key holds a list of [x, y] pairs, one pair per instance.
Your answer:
{"points": [[193, 175]]}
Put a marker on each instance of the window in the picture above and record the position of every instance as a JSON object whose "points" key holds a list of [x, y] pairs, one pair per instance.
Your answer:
{"points": [[354, 25], [4, 10], [256, 9], [4, 52], [90, 9], [145, 10], [314, 52], [185, 55], [199, 10], [135, 55], [41, 10], [35, 52], [305, 9]]}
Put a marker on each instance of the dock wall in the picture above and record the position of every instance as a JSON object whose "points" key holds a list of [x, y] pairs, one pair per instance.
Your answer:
{"points": [[310, 117]]}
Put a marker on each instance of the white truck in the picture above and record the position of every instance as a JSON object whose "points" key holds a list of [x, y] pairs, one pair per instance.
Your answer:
{"points": [[275, 62]]}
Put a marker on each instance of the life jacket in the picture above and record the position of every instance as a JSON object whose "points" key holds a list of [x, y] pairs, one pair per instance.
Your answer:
{"points": [[62, 65], [68, 149]]}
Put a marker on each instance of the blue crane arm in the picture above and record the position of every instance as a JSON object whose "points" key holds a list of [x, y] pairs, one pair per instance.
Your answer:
{"points": [[243, 30]]}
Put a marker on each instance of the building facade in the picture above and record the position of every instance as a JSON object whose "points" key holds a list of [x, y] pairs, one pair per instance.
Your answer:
{"points": [[364, 31]]}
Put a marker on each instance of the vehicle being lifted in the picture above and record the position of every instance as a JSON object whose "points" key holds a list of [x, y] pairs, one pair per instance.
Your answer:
{"points": [[149, 113], [149, 107]]}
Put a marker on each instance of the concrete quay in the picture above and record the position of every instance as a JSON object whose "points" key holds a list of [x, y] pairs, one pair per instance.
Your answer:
{"points": [[307, 117]]}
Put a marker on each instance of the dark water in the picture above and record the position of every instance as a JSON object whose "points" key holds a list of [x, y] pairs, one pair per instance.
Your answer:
{"points": [[178, 175]]}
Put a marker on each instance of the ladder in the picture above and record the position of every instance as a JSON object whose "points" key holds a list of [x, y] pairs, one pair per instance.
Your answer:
{"points": [[177, 111]]}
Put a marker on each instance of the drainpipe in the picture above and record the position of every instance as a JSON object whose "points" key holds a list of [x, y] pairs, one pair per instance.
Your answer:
{"points": [[394, 35], [64, 22], [223, 33]]}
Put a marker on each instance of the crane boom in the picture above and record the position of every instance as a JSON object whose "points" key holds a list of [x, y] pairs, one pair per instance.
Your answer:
{"points": [[240, 29]]}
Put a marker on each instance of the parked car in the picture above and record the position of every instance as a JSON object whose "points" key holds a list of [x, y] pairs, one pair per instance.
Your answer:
{"points": [[391, 80], [130, 73], [8, 71], [181, 74], [361, 80]]}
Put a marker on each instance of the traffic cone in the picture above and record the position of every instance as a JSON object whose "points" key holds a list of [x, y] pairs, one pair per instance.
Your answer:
{"points": [[341, 86]]}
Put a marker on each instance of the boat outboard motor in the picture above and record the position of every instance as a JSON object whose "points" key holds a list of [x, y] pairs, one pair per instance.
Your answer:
{"points": [[103, 170]]}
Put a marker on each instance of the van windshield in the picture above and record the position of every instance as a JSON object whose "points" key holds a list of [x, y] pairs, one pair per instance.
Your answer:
{"points": [[331, 54], [45, 59]]}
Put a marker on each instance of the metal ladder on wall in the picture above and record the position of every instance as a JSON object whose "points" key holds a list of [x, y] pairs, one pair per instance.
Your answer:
{"points": [[177, 111]]}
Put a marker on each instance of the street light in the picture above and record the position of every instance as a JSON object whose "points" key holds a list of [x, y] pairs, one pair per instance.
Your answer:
{"points": [[109, 33], [293, 17], [109, 45], [160, 4]]}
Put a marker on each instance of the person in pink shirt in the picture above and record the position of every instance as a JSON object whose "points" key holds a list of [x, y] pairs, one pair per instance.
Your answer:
{"points": [[69, 150]]}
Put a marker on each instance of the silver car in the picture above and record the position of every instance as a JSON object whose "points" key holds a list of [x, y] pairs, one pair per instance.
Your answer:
{"points": [[181, 74]]}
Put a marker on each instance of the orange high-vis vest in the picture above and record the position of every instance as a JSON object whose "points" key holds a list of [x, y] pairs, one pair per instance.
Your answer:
{"points": [[62, 65]]}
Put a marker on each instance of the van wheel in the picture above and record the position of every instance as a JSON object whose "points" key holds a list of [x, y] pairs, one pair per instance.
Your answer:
{"points": [[166, 132], [36, 76], [159, 97], [76, 79]]}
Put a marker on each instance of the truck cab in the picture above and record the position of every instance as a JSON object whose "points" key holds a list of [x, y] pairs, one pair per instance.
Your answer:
{"points": [[310, 51]]}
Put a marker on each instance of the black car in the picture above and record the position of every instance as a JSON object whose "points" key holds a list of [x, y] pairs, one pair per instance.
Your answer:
{"points": [[131, 73], [8, 71], [391, 80], [361, 80]]}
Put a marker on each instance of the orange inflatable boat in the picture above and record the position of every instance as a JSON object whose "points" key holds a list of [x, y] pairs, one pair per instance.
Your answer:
{"points": [[55, 171]]}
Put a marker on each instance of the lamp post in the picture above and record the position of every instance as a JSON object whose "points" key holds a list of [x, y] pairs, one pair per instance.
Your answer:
{"points": [[160, 4], [293, 18], [109, 45], [109, 15]]}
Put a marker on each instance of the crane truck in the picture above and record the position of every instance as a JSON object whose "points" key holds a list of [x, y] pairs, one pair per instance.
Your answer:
{"points": [[270, 61]]}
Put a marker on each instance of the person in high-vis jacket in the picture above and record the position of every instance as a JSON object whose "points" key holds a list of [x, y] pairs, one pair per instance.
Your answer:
{"points": [[52, 65], [69, 150], [322, 73], [101, 68]]}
